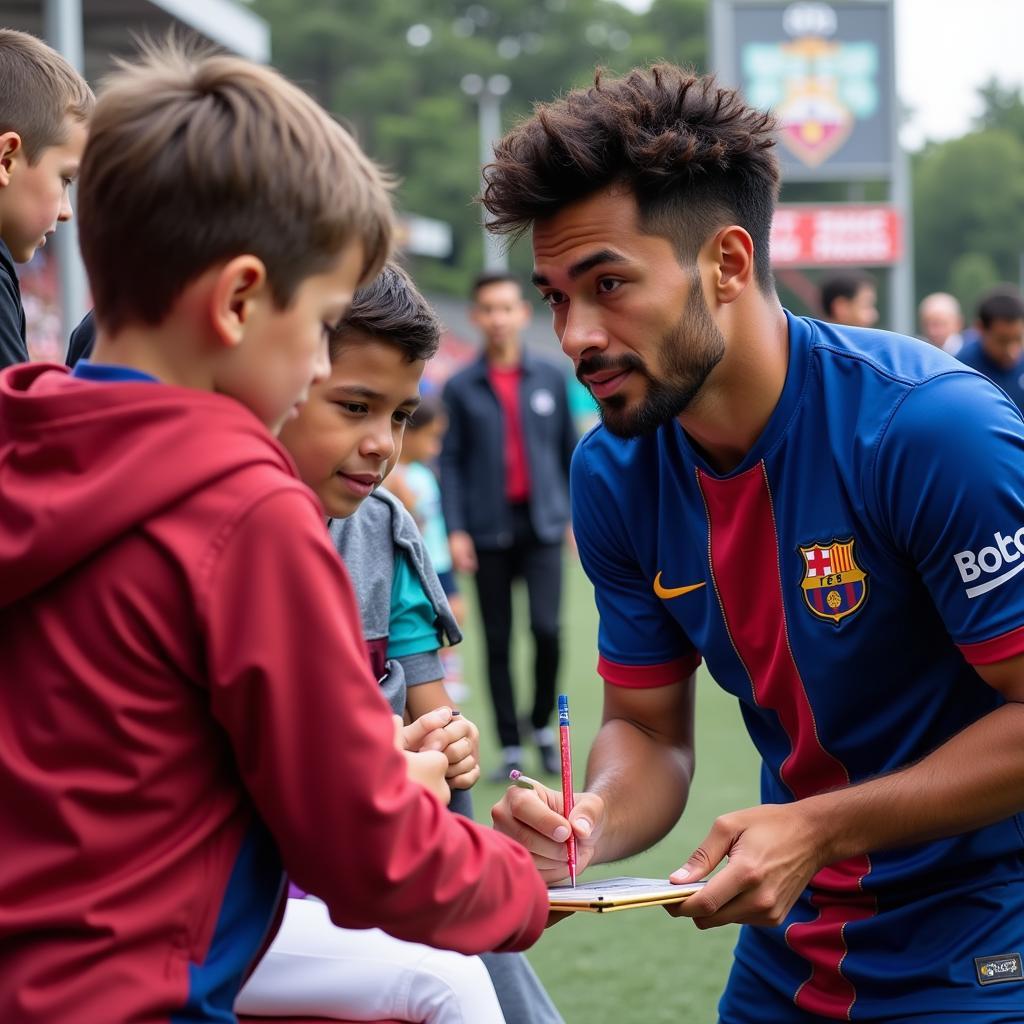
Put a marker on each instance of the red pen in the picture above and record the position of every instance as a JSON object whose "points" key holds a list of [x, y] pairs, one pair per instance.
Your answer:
{"points": [[563, 738]]}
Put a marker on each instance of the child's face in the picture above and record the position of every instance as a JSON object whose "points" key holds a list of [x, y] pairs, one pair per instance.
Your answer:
{"points": [[35, 196], [424, 445], [348, 434], [282, 353]]}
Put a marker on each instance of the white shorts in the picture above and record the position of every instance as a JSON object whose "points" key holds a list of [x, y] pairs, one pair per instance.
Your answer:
{"points": [[314, 968]]}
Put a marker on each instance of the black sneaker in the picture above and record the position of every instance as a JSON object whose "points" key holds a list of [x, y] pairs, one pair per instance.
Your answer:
{"points": [[511, 759], [550, 760], [501, 774]]}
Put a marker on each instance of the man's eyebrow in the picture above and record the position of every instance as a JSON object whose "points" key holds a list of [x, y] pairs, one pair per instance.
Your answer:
{"points": [[584, 265]]}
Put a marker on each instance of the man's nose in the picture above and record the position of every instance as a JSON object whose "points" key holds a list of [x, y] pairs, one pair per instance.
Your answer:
{"points": [[582, 333]]}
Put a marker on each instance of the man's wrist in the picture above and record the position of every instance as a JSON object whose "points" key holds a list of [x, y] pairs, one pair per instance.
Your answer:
{"points": [[831, 819]]}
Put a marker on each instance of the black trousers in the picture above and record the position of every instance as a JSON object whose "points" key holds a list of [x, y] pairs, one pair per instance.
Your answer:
{"points": [[541, 566]]}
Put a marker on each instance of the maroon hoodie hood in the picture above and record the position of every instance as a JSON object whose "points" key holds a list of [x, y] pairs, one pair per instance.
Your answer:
{"points": [[73, 477], [186, 704]]}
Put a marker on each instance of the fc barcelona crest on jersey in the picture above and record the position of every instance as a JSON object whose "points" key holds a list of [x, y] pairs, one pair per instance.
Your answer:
{"points": [[834, 585]]}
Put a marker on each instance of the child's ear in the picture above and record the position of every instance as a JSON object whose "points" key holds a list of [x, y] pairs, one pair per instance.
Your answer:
{"points": [[10, 149], [237, 288]]}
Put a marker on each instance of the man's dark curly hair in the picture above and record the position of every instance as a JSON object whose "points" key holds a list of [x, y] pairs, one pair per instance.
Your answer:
{"points": [[694, 154]]}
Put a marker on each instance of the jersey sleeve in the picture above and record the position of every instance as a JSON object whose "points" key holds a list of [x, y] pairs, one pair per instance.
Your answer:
{"points": [[313, 744], [949, 482], [639, 643]]}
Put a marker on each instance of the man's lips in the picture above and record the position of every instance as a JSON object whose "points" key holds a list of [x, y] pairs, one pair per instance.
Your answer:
{"points": [[605, 382]]}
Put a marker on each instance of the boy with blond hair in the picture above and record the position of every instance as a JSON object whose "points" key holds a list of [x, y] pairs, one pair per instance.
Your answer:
{"points": [[44, 107], [186, 701]]}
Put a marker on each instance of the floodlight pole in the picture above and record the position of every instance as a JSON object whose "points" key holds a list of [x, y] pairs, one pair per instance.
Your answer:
{"points": [[488, 93], [901, 298], [63, 30]]}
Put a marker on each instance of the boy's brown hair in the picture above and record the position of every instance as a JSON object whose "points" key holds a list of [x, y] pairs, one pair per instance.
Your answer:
{"points": [[39, 89], [194, 158], [694, 155], [391, 310]]}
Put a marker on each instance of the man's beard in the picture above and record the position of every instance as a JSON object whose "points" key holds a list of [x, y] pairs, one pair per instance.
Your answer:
{"points": [[688, 354]]}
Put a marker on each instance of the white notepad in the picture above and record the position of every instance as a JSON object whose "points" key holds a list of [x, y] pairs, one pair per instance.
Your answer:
{"points": [[619, 893]]}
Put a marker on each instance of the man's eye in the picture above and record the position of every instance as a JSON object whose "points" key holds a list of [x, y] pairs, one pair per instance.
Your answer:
{"points": [[402, 417], [356, 408], [553, 299], [607, 285]]}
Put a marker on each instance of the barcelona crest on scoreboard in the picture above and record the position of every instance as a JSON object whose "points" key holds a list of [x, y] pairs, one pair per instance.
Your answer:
{"points": [[834, 585]]}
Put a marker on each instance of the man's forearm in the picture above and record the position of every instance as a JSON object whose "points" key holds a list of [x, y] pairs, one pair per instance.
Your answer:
{"points": [[973, 779], [644, 783]]}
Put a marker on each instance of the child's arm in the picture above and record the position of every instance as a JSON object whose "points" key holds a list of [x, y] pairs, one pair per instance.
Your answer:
{"points": [[414, 642], [459, 740]]}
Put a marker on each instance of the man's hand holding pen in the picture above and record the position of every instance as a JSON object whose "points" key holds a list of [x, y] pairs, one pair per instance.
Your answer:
{"points": [[533, 817]]}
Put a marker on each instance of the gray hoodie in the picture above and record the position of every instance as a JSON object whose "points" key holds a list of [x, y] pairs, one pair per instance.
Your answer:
{"points": [[368, 542]]}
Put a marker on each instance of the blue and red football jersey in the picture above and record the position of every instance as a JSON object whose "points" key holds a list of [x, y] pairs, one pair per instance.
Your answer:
{"points": [[840, 582]]}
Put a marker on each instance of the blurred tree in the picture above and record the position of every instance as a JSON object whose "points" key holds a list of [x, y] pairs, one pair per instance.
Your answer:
{"points": [[1003, 109], [970, 276], [969, 202], [392, 70]]}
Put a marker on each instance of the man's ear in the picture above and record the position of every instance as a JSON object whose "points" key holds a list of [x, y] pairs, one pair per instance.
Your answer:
{"points": [[11, 149], [731, 251], [238, 287]]}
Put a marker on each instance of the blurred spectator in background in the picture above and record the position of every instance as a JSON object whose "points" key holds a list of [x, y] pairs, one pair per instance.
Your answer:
{"points": [[999, 351], [505, 494], [414, 482], [583, 406], [941, 322], [850, 298], [45, 106]]}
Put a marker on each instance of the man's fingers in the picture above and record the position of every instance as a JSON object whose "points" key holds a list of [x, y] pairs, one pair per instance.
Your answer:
{"points": [[557, 867], [527, 816], [706, 857], [721, 891], [747, 908], [582, 825]]}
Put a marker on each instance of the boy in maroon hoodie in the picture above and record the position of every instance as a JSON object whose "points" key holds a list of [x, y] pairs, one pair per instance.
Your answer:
{"points": [[185, 698]]}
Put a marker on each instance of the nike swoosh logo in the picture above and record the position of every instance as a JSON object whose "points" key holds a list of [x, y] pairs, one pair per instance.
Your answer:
{"points": [[666, 592]]}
